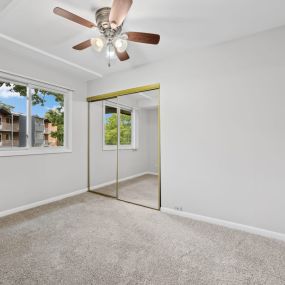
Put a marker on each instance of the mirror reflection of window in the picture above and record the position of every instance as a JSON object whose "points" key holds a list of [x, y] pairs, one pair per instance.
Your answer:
{"points": [[125, 127], [110, 125]]}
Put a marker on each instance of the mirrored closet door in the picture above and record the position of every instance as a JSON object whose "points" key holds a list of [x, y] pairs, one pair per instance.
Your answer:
{"points": [[138, 160], [103, 138], [124, 148]]}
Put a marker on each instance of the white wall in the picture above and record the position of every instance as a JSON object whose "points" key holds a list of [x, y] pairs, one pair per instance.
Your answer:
{"points": [[103, 163], [222, 128], [29, 179]]}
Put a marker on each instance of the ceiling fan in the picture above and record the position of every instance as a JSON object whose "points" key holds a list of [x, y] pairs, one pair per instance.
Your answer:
{"points": [[110, 21]]}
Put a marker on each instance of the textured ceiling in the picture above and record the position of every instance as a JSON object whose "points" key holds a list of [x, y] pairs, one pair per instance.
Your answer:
{"points": [[183, 25]]}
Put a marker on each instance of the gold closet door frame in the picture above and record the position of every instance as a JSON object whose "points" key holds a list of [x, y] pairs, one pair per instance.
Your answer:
{"points": [[117, 94]]}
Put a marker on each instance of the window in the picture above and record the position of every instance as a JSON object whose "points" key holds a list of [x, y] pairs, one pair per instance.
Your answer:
{"points": [[33, 119], [13, 111], [110, 127], [47, 118]]}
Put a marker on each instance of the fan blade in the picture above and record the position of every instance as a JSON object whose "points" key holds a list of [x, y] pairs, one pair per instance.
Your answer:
{"points": [[122, 55], [145, 38], [72, 17], [119, 11], [83, 45]]}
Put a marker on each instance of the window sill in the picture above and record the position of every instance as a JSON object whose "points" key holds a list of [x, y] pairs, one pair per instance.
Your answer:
{"points": [[120, 148], [38, 151]]}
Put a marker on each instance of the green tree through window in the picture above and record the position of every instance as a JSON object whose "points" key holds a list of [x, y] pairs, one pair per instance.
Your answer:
{"points": [[125, 127], [55, 116], [110, 125], [111, 136]]}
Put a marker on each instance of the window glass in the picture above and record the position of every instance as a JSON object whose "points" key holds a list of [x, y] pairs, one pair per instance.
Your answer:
{"points": [[125, 127], [47, 118], [13, 115], [110, 125]]}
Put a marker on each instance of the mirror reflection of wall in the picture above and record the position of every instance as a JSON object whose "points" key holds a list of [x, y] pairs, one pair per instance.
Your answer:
{"points": [[103, 149], [124, 148]]}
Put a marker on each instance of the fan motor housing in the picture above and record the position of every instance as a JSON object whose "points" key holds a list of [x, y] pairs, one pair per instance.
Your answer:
{"points": [[103, 24]]}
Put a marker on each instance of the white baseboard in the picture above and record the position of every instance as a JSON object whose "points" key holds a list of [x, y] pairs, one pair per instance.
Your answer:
{"points": [[121, 180], [152, 173], [40, 203], [227, 224]]}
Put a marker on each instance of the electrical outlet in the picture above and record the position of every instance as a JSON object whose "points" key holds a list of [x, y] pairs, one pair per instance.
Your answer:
{"points": [[178, 208]]}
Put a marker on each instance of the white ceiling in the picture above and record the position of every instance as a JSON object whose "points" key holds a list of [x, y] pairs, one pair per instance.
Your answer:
{"points": [[183, 25]]}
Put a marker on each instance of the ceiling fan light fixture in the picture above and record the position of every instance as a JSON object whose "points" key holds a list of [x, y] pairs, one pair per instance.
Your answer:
{"points": [[109, 22], [121, 44], [98, 43]]}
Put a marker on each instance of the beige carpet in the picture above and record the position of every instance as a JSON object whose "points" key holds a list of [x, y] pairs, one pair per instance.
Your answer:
{"points": [[90, 239], [142, 190]]}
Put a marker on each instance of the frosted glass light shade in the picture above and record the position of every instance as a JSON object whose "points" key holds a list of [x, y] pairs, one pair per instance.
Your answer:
{"points": [[98, 43], [121, 44]]}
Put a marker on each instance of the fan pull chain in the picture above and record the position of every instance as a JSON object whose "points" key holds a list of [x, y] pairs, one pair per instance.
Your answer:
{"points": [[109, 63]]}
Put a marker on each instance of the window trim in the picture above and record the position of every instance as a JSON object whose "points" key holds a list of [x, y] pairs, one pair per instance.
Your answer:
{"points": [[28, 149], [131, 146]]}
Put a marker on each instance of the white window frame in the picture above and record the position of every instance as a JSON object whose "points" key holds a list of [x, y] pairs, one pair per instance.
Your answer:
{"points": [[133, 145], [30, 84]]}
